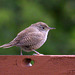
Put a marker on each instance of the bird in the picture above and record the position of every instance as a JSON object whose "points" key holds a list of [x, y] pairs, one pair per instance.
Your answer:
{"points": [[30, 38]]}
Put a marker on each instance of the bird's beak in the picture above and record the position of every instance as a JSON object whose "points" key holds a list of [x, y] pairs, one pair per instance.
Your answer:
{"points": [[51, 28]]}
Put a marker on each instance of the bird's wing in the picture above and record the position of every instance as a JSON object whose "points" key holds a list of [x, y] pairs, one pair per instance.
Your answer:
{"points": [[31, 38]]}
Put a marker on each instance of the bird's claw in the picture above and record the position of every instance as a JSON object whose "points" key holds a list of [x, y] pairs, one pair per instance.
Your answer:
{"points": [[38, 54]]}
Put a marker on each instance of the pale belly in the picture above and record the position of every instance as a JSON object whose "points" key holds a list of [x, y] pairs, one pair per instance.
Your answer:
{"points": [[40, 43]]}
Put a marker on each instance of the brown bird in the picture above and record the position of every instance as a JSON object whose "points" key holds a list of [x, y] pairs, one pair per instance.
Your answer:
{"points": [[30, 38]]}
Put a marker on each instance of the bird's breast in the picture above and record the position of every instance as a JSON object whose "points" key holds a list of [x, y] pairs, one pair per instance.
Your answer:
{"points": [[38, 45]]}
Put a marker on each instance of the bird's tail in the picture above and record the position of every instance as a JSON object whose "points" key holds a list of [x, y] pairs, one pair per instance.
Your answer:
{"points": [[10, 44], [6, 45]]}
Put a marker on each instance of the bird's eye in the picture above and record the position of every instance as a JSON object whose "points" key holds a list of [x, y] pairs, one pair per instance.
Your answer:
{"points": [[43, 27]]}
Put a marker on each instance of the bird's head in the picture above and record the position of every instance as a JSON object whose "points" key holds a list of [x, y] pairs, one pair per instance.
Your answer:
{"points": [[42, 26]]}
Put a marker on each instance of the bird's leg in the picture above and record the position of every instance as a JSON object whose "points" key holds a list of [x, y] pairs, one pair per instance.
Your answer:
{"points": [[21, 52], [37, 53]]}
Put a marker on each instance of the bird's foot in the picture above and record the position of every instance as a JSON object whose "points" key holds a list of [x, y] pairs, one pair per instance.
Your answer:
{"points": [[21, 52], [37, 53]]}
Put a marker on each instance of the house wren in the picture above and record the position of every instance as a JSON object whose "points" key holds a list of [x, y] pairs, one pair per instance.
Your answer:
{"points": [[30, 38]]}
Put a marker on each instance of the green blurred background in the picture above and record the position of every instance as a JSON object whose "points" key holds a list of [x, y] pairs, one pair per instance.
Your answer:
{"points": [[16, 15]]}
